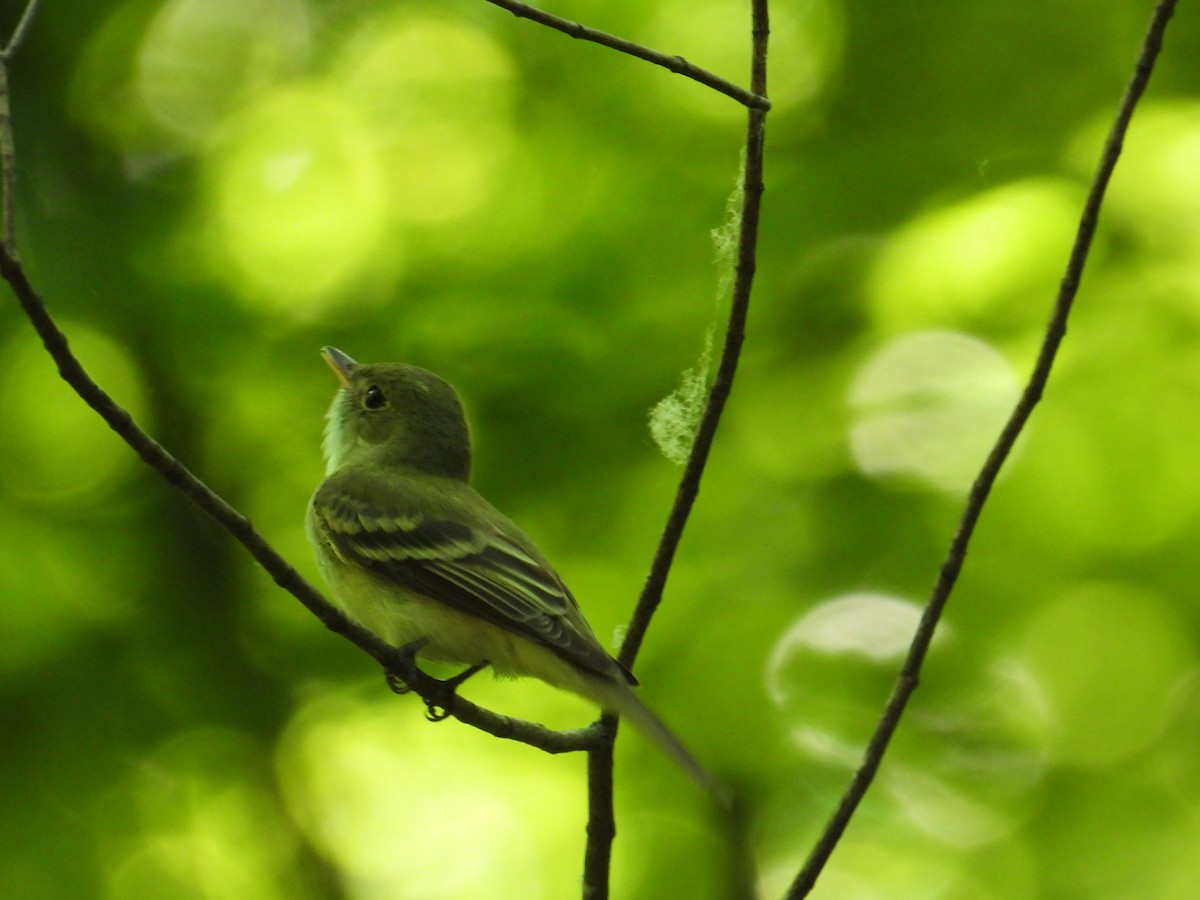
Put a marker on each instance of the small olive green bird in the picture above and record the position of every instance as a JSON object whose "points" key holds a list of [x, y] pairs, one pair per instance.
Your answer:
{"points": [[412, 553]]}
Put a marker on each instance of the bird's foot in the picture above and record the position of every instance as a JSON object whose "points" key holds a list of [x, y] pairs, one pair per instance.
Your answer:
{"points": [[401, 679], [437, 705]]}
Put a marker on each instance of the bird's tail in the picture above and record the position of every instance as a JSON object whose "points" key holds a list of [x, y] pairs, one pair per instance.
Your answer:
{"points": [[622, 699]]}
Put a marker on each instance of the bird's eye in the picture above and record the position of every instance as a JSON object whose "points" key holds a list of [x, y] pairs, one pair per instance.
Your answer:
{"points": [[374, 399]]}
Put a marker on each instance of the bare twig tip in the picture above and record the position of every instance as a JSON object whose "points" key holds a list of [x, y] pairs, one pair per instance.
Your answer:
{"points": [[676, 64]]}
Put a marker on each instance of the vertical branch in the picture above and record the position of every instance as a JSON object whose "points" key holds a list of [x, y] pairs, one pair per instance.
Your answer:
{"points": [[602, 822], [601, 827], [8, 167], [735, 332], [1056, 329], [8, 155]]}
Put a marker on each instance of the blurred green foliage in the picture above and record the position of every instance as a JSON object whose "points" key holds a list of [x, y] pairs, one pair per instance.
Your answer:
{"points": [[210, 190]]}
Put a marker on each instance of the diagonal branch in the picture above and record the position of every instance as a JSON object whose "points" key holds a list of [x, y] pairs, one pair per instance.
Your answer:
{"points": [[22, 29], [178, 476], [753, 98], [601, 828], [956, 554]]}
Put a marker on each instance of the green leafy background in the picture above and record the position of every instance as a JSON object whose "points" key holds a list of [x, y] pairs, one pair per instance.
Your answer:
{"points": [[210, 190]]}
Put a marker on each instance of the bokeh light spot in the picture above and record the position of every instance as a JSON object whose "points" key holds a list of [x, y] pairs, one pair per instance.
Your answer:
{"points": [[1110, 457], [973, 749], [928, 406], [876, 626], [992, 258], [201, 59], [878, 862], [1108, 658], [437, 95], [297, 207], [195, 820], [806, 52], [1154, 190], [938, 809], [825, 672], [349, 767]]}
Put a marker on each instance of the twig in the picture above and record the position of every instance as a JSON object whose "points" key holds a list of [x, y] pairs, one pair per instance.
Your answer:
{"points": [[8, 167], [155, 456], [689, 483], [8, 156], [176, 474], [22, 29], [600, 760], [753, 98], [1055, 331]]}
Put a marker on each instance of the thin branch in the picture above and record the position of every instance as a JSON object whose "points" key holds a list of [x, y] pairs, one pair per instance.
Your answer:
{"points": [[8, 154], [1055, 331], [521, 730], [8, 167], [22, 29], [177, 475], [689, 483], [601, 828], [754, 99], [602, 822]]}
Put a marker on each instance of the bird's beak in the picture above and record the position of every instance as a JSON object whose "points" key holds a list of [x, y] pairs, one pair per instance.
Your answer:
{"points": [[342, 365]]}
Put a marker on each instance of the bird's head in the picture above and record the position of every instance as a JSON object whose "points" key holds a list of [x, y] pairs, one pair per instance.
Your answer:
{"points": [[395, 416]]}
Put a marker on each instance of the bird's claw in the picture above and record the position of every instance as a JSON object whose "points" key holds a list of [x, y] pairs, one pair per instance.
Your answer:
{"points": [[441, 693], [437, 706], [401, 679], [398, 684]]}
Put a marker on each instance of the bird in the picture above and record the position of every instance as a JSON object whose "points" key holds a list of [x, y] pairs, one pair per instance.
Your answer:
{"points": [[414, 554]]}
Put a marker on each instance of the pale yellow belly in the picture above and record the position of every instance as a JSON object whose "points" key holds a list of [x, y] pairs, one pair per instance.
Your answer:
{"points": [[400, 617]]}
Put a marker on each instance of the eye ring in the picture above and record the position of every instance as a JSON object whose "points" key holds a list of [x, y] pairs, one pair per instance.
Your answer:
{"points": [[373, 398]]}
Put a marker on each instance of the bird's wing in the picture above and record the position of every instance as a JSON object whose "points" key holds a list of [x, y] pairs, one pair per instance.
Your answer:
{"points": [[479, 569]]}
